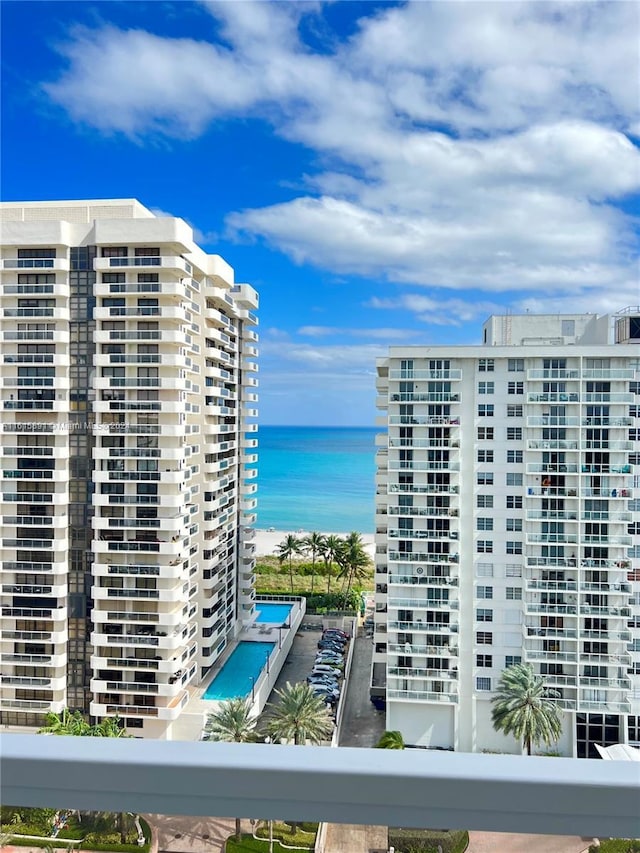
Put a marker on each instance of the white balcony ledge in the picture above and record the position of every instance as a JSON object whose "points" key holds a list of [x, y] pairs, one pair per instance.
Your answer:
{"points": [[501, 793]]}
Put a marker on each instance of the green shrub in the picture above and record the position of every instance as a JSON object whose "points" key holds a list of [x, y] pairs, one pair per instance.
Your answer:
{"points": [[617, 845], [428, 840]]}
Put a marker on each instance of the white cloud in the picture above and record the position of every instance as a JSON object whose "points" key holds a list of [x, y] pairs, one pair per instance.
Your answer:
{"points": [[384, 334], [519, 193], [435, 312]]}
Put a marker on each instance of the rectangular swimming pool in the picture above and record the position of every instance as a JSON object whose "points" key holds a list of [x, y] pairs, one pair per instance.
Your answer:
{"points": [[240, 672], [270, 613]]}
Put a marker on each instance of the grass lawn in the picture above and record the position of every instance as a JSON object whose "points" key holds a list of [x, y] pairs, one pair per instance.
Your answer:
{"points": [[617, 845], [249, 844], [273, 577]]}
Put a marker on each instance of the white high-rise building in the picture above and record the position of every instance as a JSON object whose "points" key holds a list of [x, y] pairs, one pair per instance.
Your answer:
{"points": [[508, 529], [128, 373]]}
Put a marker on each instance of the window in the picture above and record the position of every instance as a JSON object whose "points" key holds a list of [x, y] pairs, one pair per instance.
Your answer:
{"points": [[484, 592], [486, 387], [514, 524], [512, 660], [485, 455], [36, 253], [513, 478], [484, 546], [514, 433], [515, 365], [484, 660], [484, 478], [485, 433], [515, 388], [514, 593], [514, 411], [514, 501], [483, 683], [485, 410], [486, 365], [484, 501], [513, 547], [114, 251], [514, 457], [513, 570], [484, 524], [484, 570], [484, 638]]}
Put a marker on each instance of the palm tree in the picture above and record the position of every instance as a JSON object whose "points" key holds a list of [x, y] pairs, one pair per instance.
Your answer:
{"points": [[353, 561], [109, 727], [313, 543], [390, 740], [524, 707], [300, 716], [232, 723], [68, 723], [65, 723], [330, 550], [287, 549]]}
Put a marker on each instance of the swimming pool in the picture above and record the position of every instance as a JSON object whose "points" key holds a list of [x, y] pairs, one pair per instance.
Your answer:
{"points": [[272, 614], [240, 672]]}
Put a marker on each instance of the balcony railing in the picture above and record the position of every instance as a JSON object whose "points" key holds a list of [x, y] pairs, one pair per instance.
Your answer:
{"points": [[484, 792]]}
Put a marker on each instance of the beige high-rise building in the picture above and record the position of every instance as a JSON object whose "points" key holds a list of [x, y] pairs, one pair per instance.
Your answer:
{"points": [[508, 529], [128, 367]]}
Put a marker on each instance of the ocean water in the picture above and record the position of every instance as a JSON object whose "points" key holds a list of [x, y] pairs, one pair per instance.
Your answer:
{"points": [[316, 478]]}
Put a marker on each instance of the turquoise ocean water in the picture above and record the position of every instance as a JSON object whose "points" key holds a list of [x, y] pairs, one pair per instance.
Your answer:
{"points": [[316, 478]]}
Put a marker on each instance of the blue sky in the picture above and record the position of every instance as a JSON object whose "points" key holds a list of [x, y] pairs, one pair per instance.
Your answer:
{"points": [[383, 173]]}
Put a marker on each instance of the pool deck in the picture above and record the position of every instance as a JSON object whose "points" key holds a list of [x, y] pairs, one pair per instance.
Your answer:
{"points": [[191, 722]]}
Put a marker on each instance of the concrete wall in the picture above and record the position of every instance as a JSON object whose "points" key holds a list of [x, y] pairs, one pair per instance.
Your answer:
{"points": [[422, 724]]}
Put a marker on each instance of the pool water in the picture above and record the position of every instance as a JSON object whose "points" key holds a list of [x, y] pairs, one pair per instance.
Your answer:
{"points": [[272, 614], [241, 670]]}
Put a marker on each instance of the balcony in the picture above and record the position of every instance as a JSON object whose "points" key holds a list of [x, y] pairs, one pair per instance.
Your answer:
{"points": [[422, 534], [172, 262], [551, 467], [56, 264], [422, 420], [537, 794], [425, 603], [420, 397], [553, 373], [555, 421], [429, 375], [426, 627], [422, 489], [422, 696], [421, 557], [423, 465], [553, 397], [552, 445]]}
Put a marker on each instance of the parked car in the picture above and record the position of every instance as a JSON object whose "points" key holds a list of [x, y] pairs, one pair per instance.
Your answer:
{"points": [[339, 631], [322, 682], [327, 693], [331, 660], [325, 668], [331, 644], [335, 636]]}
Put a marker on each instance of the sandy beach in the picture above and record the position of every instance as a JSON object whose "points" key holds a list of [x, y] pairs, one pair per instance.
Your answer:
{"points": [[268, 540]]}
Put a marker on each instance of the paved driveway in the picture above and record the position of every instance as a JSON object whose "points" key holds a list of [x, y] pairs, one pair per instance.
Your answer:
{"points": [[184, 834], [505, 842]]}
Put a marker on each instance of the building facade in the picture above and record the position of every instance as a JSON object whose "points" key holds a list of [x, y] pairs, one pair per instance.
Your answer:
{"points": [[508, 529], [128, 437]]}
